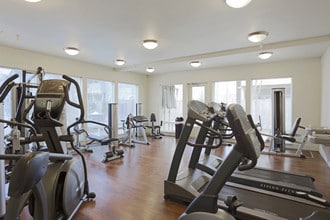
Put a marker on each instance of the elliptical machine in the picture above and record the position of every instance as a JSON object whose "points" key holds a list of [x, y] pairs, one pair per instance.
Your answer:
{"points": [[54, 190]]}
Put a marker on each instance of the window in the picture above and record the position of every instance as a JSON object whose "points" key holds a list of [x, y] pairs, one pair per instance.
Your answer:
{"points": [[198, 92], [229, 92], [128, 97], [261, 101], [99, 94], [171, 112]]}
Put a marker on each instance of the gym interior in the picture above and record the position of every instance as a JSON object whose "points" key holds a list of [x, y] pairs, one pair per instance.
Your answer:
{"points": [[122, 132]]}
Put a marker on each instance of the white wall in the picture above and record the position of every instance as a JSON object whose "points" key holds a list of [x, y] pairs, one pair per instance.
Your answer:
{"points": [[27, 60], [325, 107], [306, 79]]}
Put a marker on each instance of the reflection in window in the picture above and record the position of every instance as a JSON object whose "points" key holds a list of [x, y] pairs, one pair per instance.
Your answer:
{"points": [[198, 92], [229, 92], [171, 112], [261, 101], [128, 95], [99, 94]]}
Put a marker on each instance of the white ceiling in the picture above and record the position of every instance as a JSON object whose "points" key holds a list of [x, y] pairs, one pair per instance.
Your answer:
{"points": [[208, 30]]}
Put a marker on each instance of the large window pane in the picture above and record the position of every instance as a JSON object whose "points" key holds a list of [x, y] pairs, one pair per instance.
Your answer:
{"points": [[261, 101], [229, 92], [99, 94], [169, 115], [128, 95], [198, 92]]}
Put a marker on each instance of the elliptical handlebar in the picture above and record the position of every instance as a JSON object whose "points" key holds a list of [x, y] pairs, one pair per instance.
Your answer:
{"points": [[7, 86], [78, 105], [14, 123]]}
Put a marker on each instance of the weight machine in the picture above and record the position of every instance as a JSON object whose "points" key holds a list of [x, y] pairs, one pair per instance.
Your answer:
{"points": [[279, 137], [110, 138]]}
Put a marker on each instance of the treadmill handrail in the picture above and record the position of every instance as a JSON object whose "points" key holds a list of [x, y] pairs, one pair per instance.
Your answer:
{"points": [[246, 150], [215, 135]]}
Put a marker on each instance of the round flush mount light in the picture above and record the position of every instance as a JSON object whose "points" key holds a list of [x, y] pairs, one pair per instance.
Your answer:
{"points": [[150, 69], [265, 55], [120, 62], [257, 36], [33, 1], [150, 44], [237, 3], [195, 63], [72, 51]]}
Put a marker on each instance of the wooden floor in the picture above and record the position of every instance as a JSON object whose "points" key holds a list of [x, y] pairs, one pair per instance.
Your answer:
{"points": [[132, 187]]}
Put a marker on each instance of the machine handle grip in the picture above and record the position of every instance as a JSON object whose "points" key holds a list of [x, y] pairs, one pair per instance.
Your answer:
{"points": [[14, 123], [10, 79], [68, 78], [246, 165], [6, 91], [80, 100], [78, 105], [261, 140], [7, 86]]}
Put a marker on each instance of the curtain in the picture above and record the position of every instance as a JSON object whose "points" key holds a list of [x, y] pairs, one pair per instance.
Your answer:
{"points": [[168, 97]]}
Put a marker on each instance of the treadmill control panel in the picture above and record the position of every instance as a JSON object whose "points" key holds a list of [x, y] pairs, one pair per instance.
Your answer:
{"points": [[200, 111]]}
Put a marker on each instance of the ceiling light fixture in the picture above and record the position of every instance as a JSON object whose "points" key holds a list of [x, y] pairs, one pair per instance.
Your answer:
{"points": [[33, 1], [150, 44], [257, 36], [195, 63], [120, 62], [150, 69], [237, 3], [72, 51], [265, 55]]}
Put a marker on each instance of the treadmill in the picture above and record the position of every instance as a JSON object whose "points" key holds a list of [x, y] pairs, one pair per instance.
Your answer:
{"points": [[185, 185], [278, 181]]}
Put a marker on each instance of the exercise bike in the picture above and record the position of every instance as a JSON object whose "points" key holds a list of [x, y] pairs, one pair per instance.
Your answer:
{"points": [[55, 189]]}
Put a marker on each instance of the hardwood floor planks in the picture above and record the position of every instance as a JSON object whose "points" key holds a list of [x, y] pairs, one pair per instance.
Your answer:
{"points": [[132, 188]]}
